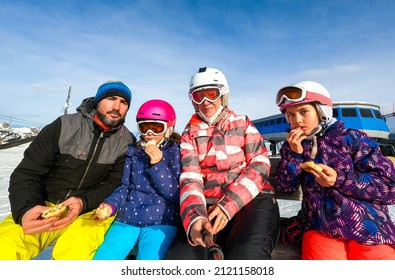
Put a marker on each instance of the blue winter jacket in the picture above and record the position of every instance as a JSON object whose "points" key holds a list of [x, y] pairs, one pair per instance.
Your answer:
{"points": [[149, 194], [355, 208]]}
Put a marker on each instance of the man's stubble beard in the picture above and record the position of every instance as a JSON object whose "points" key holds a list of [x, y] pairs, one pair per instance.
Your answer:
{"points": [[109, 122]]}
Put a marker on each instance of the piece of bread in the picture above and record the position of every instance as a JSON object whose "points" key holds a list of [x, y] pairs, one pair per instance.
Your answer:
{"points": [[102, 212], [310, 165], [151, 142], [59, 210]]}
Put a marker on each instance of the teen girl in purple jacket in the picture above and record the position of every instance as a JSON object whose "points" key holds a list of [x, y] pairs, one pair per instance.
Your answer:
{"points": [[344, 211]]}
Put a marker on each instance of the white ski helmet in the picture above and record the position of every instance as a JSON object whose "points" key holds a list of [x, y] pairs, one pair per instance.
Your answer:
{"points": [[306, 92], [210, 77]]}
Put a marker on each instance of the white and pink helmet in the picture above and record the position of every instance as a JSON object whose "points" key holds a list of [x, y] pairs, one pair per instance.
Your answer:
{"points": [[306, 92]]}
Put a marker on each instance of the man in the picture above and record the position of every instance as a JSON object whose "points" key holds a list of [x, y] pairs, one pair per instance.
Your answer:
{"points": [[76, 160]]}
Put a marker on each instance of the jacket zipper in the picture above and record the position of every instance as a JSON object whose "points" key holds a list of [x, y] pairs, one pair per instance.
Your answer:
{"points": [[88, 166]]}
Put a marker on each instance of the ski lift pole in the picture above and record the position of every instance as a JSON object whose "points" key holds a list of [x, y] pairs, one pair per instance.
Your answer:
{"points": [[212, 251], [66, 106]]}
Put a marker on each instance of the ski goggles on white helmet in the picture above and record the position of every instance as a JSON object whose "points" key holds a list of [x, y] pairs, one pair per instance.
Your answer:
{"points": [[156, 127], [211, 94]]}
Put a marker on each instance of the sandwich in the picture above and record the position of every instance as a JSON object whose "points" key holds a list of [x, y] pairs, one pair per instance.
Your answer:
{"points": [[310, 165], [59, 210]]}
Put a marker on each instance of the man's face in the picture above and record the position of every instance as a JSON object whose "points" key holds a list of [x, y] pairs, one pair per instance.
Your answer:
{"points": [[112, 110]]}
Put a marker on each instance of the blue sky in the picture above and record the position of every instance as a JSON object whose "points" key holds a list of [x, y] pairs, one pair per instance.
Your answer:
{"points": [[155, 47]]}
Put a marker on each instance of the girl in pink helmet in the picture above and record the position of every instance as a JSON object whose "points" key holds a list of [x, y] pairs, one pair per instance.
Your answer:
{"points": [[344, 211], [147, 202]]}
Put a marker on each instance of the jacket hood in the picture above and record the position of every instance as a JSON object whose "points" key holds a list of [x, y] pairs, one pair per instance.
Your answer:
{"points": [[87, 107]]}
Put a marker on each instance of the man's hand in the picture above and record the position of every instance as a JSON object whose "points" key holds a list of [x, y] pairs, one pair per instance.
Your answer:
{"points": [[32, 222], [75, 205]]}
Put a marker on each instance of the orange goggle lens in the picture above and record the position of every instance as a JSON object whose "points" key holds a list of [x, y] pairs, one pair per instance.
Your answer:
{"points": [[157, 128], [291, 94], [210, 94]]}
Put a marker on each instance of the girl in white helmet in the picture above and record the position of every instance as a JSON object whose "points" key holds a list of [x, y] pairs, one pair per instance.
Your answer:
{"points": [[344, 211], [224, 189]]}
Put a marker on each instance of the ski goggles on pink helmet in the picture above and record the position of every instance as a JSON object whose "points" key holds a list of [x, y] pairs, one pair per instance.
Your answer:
{"points": [[289, 96], [156, 127]]}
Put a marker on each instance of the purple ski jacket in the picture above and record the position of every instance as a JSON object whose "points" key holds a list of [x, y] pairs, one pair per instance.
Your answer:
{"points": [[355, 208]]}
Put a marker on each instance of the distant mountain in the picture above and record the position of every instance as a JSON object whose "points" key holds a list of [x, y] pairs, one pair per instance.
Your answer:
{"points": [[13, 136]]}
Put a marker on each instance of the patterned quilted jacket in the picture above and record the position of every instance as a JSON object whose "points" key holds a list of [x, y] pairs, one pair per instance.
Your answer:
{"points": [[224, 164], [355, 208]]}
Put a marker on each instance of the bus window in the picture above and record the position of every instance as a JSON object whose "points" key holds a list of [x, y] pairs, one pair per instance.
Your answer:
{"points": [[335, 113], [349, 112], [378, 114], [366, 113], [279, 120]]}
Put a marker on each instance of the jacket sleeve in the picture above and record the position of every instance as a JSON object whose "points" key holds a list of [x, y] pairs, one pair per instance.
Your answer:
{"points": [[27, 188], [192, 199], [288, 172], [371, 176]]}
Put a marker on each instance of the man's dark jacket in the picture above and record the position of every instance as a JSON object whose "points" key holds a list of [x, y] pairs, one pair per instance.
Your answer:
{"points": [[72, 156]]}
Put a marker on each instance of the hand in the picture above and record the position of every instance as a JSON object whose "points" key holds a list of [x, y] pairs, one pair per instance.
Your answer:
{"points": [[196, 231], [221, 220], [154, 153], [102, 212], [294, 138], [32, 222], [327, 177], [75, 205]]}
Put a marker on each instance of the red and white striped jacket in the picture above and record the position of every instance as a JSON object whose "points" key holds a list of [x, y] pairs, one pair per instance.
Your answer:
{"points": [[225, 164]]}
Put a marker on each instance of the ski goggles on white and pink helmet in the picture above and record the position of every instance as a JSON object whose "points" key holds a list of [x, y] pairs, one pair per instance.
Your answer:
{"points": [[211, 94], [156, 127]]}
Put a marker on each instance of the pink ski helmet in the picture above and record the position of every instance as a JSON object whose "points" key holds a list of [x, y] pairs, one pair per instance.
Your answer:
{"points": [[157, 109]]}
